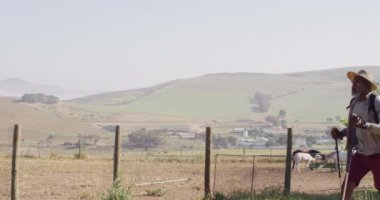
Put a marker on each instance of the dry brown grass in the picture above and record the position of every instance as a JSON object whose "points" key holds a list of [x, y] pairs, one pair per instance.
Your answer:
{"points": [[68, 178]]}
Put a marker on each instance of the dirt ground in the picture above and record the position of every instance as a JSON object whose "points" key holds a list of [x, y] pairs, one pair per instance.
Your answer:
{"points": [[67, 178]]}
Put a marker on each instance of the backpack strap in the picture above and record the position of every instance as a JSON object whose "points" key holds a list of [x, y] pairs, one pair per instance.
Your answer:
{"points": [[372, 108], [349, 105]]}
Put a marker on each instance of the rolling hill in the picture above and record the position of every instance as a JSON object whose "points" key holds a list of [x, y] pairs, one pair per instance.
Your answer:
{"points": [[35, 121], [305, 96]]}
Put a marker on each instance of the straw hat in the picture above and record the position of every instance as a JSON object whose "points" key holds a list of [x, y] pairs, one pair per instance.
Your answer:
{"points": [[364, 74]]}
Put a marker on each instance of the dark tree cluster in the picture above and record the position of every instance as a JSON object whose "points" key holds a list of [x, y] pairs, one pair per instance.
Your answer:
{"points": [[144, 139], [223, 142], [276, 140], [109, 128], [261, 102], [39, 98], [276, 121]]}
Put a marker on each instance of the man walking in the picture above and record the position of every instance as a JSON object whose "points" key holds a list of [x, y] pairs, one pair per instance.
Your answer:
{"points": [[363, 132]]}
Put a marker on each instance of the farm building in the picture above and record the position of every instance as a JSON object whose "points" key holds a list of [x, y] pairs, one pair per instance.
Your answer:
{"points": [[241, 131], [185, 134], [248, 142], [300, 141]]}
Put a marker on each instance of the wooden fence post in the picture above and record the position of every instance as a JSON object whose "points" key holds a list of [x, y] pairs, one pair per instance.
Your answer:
{"points": [[208, 163], [116, 157], [79, 150], [253, 173], [215, 162], [244, 154], [288, 163], [15, 155], [38, 147]]}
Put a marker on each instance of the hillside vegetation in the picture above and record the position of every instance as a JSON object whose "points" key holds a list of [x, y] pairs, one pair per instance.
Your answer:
{"points": [[305, 96], [310, 97]]}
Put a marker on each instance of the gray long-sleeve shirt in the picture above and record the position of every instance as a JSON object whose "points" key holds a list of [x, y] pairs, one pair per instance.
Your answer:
{"points": [[368, 140]]}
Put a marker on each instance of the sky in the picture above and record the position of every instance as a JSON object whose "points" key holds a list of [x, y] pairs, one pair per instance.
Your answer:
{"points": [[117, 45]]}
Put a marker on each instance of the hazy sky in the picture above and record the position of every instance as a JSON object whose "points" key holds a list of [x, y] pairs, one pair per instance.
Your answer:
{"points": [[116, 45]]}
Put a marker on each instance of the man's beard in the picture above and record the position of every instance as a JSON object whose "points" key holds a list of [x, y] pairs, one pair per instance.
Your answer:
{"points": [[354, 92]]}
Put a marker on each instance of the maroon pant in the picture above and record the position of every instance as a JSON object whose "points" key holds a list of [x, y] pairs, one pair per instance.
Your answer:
{"points": [[361, 165]]}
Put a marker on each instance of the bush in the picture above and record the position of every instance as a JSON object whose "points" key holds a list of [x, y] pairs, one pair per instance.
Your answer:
{"points": [[39, 98], [158, 192], [80, 156], [144, 139], [117, 192]]}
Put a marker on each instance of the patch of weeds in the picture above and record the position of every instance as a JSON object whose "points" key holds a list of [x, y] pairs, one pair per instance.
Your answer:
{"points": [[157, 192], [117, 192], [53, 155], [274, 193], [366, 194], [28, 156], [80, 156]]}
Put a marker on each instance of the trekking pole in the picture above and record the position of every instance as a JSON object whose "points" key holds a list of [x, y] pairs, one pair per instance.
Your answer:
{"points": [[345, 186], [338, 162], [349, 157]]}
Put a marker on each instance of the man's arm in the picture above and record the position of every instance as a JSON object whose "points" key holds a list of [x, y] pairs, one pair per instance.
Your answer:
{"points": [[336, 134], [371, 126]]}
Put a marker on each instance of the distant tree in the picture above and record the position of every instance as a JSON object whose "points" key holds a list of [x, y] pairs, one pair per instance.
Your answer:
{"points": [[329, 119], [284, 124], [311, 140], [254, 132], [273, 120], [143, 139], [262, 101], [29, 98], [51, 99], [232, 140], [282, 113], [270, 142], [109, 128], [39, 98], [219, 142], [200, 136], [282, 139]]}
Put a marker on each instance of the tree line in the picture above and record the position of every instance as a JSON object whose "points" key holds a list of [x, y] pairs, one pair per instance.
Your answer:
{"points": [[39, 98]]}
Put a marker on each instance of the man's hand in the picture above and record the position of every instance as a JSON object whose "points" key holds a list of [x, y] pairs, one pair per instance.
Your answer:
{"points": [[357, 121], [335, 133]]}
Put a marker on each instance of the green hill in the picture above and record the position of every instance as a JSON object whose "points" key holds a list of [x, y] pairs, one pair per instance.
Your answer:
{"points": [[305, 96]]}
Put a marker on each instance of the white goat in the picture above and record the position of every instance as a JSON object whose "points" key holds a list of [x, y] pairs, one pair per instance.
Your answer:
{"points": [[299, 157]]}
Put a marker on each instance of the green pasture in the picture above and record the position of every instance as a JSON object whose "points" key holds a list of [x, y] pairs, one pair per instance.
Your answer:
{"points": [[305, 97]]}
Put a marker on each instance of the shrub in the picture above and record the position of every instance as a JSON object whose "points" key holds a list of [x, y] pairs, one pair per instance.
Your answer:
{"points": [[80, 156], [39, 98], [117, 192], [158, 192], [366, 194], [144, 139]]}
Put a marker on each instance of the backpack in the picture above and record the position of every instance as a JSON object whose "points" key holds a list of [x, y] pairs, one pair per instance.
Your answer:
{"points": [[371, 106]]}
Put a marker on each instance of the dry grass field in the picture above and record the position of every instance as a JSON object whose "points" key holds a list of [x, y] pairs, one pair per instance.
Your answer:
{"points": [[68, 178]]}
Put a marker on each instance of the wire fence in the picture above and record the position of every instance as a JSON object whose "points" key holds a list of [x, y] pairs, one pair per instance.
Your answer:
{"points": [[81, 167], [251, 173]]}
